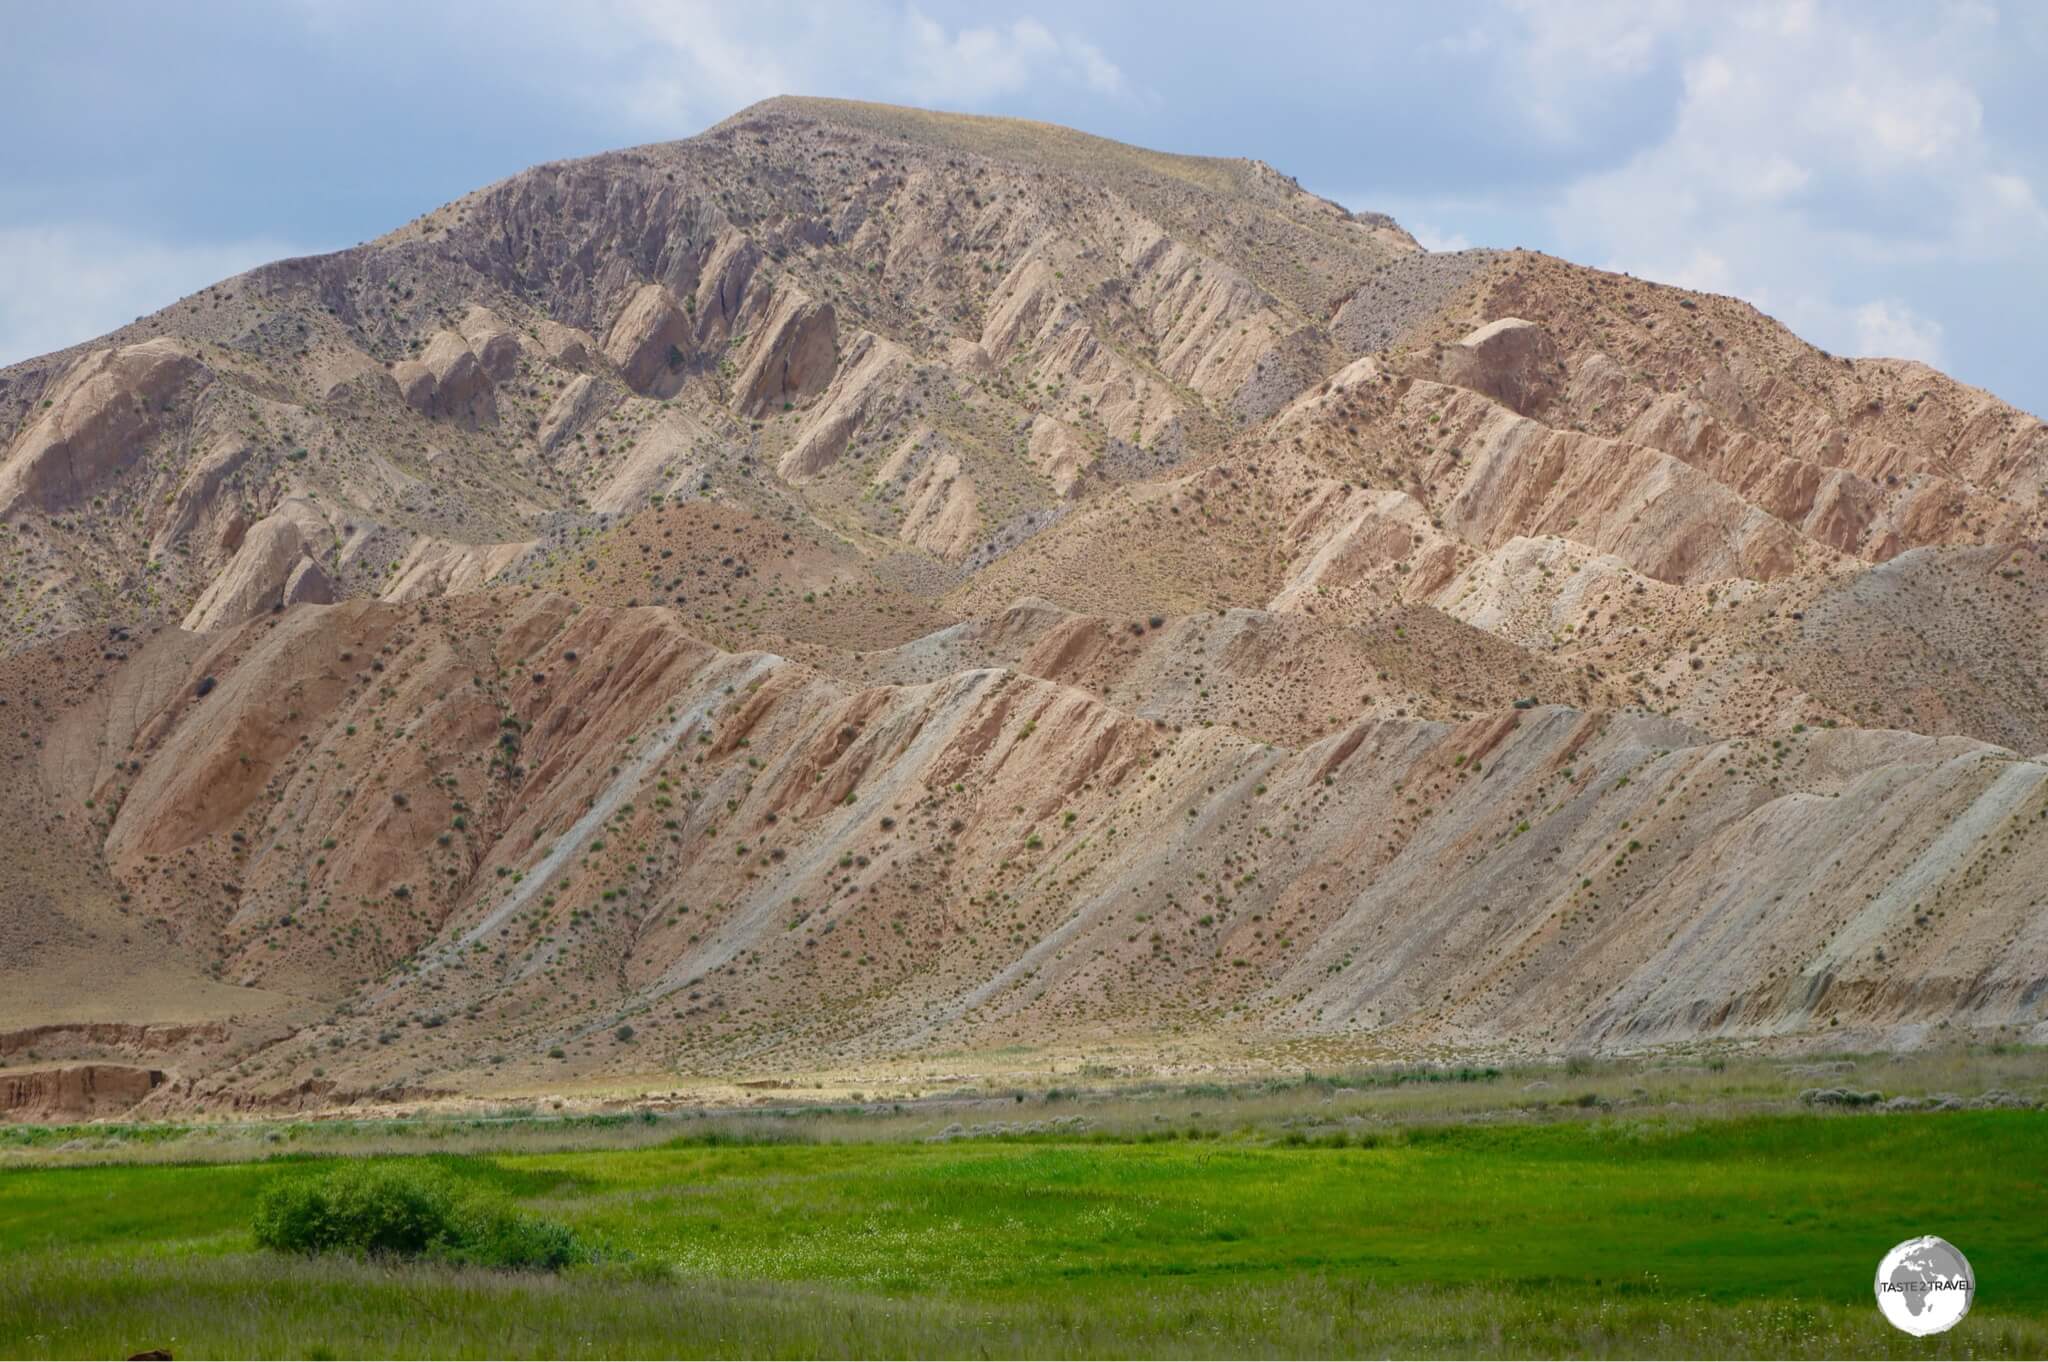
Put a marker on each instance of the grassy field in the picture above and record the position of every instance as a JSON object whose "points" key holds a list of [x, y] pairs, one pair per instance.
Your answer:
{"points": [[1635, 1232]]}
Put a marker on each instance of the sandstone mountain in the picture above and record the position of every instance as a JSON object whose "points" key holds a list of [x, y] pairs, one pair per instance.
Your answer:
{"points": [[863, 592]]}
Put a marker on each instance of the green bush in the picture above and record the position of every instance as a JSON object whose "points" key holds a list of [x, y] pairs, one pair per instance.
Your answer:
{"points": [[494, 1235], [406, 1211], [359, 1208]]}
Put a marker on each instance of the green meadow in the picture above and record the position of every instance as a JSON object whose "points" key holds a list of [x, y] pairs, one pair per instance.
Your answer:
{"points": [[1671, 1234]]}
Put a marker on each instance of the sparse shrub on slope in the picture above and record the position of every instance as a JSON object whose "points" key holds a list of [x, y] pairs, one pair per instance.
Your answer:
{"points": [[407, 1211]]}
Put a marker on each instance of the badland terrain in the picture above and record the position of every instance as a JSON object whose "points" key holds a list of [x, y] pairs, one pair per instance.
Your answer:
{"points": [[861, 597]]}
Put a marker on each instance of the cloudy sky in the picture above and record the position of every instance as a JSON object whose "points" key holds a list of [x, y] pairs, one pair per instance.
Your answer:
{"points": [[1874, 174]]}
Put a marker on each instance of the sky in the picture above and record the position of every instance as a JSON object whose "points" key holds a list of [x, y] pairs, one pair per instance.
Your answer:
{"points": [[1873, 174]]}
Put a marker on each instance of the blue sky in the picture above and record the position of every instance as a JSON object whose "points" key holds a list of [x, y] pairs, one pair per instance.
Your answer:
{"points": [[1873, 174]]}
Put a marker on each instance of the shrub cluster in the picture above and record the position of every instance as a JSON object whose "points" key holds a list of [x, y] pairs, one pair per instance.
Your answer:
{"points": [[407, 1211]]}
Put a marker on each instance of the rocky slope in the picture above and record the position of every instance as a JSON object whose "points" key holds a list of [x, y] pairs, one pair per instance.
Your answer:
{"points": [[860, 585]]}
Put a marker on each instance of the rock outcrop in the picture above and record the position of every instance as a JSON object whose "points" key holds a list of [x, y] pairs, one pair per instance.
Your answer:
{"points": [[793, 354], [448, 382], [1514, 362], [647, 341], [74, 1092], [198, 498], [273, 568], [569, 413], [495, 344], [433, 568], [565, 346], [869, 381], [95, 421], [940, 515]]}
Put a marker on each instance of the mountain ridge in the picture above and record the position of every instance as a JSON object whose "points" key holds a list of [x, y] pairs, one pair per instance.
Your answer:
{"points": [[862, 583]]}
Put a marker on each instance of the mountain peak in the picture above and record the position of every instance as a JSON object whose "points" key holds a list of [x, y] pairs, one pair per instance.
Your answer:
{"points": [[863, 580]]}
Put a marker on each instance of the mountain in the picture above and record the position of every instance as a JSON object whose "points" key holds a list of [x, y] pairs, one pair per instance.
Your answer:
{"points": [[863, 593]]}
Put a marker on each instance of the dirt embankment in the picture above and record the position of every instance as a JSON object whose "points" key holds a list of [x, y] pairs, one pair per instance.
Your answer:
{"points": [[75, 1091], [73, 1038]]}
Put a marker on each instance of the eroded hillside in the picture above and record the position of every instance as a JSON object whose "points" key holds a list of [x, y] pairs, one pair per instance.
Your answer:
{"points": [[860, 585]]}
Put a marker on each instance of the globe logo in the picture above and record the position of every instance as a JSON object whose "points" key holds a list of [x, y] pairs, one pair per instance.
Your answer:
{"points": [[1924, 1286]]}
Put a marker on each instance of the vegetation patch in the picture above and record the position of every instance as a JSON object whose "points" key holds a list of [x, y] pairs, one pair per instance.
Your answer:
{"points": [[407, 1210]]}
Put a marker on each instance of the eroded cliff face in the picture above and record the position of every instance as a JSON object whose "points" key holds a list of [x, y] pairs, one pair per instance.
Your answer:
{"points": [[74, 1092], [860, 582]]}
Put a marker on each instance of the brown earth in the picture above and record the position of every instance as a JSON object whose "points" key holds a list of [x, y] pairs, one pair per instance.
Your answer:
{"points": [[862, 585], [77, 1090]]}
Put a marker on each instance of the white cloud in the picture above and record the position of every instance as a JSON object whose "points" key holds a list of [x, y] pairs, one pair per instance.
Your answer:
{"points": [[1617, 37], [1884, 115], [1888, 327], [1813, 149], [1567, 51], [1100, 73], [975, 65], [693, 63], [1700, 269], [2014, 192], [2002, 210], [63, 285], [1434, 238], [677, 64]]}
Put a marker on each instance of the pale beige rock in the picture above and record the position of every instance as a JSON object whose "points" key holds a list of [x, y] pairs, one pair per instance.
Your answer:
{"points": [[569, 413], [197, 496], [1056, 642], [434, 567], [564, 345], [270, 568], [649, 340], [725, 285], [967, 355], [1512, 361], [1343, 538], [663, 456], [308, 584], [497, 346], [870, 376], [448, 383], [1026, 299], [906, 458], [1059, 453], [792, 354], [940, 517], [99, 415], [1659, 515], [335, 373], [1029, 317]]}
